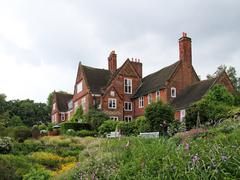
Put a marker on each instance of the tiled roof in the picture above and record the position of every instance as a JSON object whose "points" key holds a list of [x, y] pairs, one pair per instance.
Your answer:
{"points": [[96, 78], [192, 94], [156, 81], [62, 100]]}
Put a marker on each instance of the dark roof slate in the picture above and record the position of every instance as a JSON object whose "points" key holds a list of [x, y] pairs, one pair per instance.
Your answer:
{"points": [[192, 94], [62, 100], [96, 78], [156, 81]]}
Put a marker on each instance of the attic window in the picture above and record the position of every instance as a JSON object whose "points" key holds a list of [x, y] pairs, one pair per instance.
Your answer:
{"points": [[128, 86], [112, 93], [54, 106], [173, 92], [79, 87]]}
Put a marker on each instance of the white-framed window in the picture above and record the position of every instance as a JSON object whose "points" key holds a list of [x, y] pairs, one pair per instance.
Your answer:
{"points": [[128, 86], [112, 93], [112, 103], [70, 104], [115, 118], [62, 117], [173, 92], [127, 118], [79, 87], [141, 102], [182, 114], [54, 106], [158, 96], [83, 103], [128, 106], [149, 98]]}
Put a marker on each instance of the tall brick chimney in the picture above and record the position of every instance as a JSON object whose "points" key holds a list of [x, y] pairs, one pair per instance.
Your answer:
{"points": [[112, 62], [185, 49]]}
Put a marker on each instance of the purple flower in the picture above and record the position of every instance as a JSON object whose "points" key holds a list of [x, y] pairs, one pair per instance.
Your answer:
{"points": [[224, 158], [195, 158], [186, 147]]}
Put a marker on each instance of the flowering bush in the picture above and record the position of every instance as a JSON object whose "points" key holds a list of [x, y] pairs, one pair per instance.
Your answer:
{"points": [[5, 145]]}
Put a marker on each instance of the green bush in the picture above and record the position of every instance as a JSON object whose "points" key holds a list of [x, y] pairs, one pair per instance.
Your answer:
{"points": [[74, 126], [95, 118], [127, 128], [78, 115], [85, 133], [5, 145], [13, 167], [142, 124], [107, 127], [22, 133], [158, 112], [37, 174], [35, 132]]}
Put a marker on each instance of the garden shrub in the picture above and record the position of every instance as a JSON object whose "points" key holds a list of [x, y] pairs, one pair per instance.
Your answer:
{"points": [[5, 145], [107, 127], [22, 133], [142, 124], [158, 112], [78, 115], [74, 126], [27, 147], [37, 174], [85, 133], [49, 159], [35, 132], [127, 128], [95, 118]]}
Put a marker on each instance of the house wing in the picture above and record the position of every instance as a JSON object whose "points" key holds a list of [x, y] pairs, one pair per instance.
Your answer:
{"points": [[156, 81], [192, 94]]}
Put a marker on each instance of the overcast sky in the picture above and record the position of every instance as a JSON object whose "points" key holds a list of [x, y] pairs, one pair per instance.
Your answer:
{"points": [[41, 42]]}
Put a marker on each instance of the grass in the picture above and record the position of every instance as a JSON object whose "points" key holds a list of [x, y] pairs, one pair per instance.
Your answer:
{"points": [[199, 154]]}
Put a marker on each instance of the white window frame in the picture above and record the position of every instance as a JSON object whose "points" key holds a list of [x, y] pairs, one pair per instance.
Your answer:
{"points": [[115, 118], [79, 87], [115, 103], [63, 117], [141, 102], [128, 118], [127, 83], [182, 114], [173, 89], [127, 103], [149, 98], [158, 96]]}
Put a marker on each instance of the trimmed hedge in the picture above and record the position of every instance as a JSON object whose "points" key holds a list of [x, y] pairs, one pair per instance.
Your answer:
{"points": [[75, 126]]}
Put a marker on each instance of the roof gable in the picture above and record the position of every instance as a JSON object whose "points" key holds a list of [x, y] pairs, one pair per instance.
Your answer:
{"points": [[156, 81], [96, 79]]}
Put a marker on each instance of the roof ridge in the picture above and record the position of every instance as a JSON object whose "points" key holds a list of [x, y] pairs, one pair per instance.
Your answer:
{"points": [[95, 68]]}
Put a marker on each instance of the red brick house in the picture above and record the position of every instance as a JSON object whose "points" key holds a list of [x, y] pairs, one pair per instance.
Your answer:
{"points": [[123, 94]]}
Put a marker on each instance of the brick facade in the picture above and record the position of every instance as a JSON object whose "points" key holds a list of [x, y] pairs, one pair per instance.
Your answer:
{"points": [[103, 88]]}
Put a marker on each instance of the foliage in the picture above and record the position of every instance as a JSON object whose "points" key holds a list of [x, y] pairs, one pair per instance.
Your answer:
{"points": [[107, 127], [158, 112], [5, 145], [75, 126], [85, 133], [127, 128], [15, 121], [37, 174], [95, 118], [49, 159], [213, 107], [142, 124], [78, 115], [22, 133], [213, 155], [35, 132], [236, 96]]}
